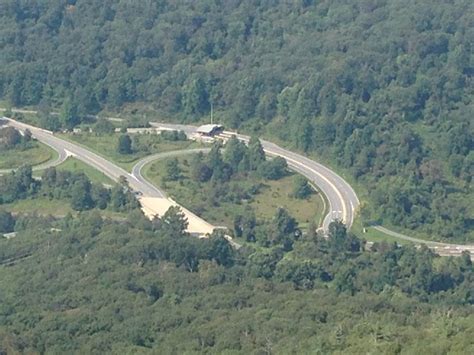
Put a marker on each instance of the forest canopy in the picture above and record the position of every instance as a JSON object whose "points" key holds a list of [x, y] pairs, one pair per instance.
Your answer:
{"points": [[91, 285], [383, 89]]}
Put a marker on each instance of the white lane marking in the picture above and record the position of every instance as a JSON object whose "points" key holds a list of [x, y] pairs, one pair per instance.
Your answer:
{"points": [[70, 154], [339, 195], [105, 168]]}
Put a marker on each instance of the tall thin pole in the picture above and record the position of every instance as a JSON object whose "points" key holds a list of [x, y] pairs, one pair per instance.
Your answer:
{"points": [[212, 120]]}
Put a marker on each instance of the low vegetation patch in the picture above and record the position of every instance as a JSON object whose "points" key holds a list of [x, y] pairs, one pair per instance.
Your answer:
{"points": [[74, 188], [237, 187], [17, 149], [75, 165], [36, 154], [126, 149]]}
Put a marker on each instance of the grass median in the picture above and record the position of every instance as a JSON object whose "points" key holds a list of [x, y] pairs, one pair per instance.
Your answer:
{"points": [[105, 145], [203, 198], [37, 154]]}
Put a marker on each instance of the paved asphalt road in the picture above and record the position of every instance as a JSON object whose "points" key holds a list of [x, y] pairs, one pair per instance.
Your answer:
{"points": [[108, 168], [137, 168], [342, 199], [443, 249], [62, 156]]}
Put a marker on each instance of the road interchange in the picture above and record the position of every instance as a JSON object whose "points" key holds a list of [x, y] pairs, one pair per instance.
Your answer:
{"points": [[342, 199], [152, 199]]}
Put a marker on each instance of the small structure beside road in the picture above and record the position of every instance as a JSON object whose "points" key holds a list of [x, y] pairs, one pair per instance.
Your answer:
{"points": [[209, 130]]}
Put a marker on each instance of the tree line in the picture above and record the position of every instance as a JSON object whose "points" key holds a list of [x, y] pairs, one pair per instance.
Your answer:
{"points": [[75, 187], [381, 88], [138, 285]]}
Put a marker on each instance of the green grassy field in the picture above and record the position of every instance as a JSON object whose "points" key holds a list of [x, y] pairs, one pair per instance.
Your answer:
{"points": [[272, 194], [37, 154], [278, 194], [59, 208], [45, 206], [106, 146], [373, 235], [73, 164], [40, 205]]}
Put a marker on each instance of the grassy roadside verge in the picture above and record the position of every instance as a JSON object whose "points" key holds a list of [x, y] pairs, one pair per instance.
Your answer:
{"points": [[271, 195], [106, 147], [373, 235], [75, 165], [43, 206], [36, 155]]}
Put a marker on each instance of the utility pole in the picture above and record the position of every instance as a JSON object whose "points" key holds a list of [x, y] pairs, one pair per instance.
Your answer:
{"points": [[212, 119]]}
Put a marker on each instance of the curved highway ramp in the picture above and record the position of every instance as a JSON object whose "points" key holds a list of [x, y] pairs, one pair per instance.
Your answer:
{"points": [[154, 201], [342, 199]]}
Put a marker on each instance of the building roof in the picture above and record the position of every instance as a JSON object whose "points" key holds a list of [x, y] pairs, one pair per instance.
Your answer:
{"points": [[208, 128]]}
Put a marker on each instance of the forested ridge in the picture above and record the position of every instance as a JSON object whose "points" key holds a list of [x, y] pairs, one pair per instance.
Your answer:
{"points": [[91, 285], [380, 88]]}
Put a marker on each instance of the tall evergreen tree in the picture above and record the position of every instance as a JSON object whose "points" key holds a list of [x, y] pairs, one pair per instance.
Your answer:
{"points": [[174, 221], [235, 151], [7, 222], [69, 114], [173, 171], [256, 153], [200, 171], [124, 145], [195, 98], [81, 198]]}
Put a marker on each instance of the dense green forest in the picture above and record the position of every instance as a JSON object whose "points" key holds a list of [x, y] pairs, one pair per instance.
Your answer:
{"points": [[91, 285], [381, 88]]}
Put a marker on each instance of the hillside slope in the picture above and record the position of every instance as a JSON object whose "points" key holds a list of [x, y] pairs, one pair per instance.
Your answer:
{"points": [[382, 88], [84, 285]]}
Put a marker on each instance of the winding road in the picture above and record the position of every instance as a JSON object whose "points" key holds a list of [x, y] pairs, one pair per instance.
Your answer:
{"points": [[137, 168], [342, 199], [153, 200], [61, 158]]}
